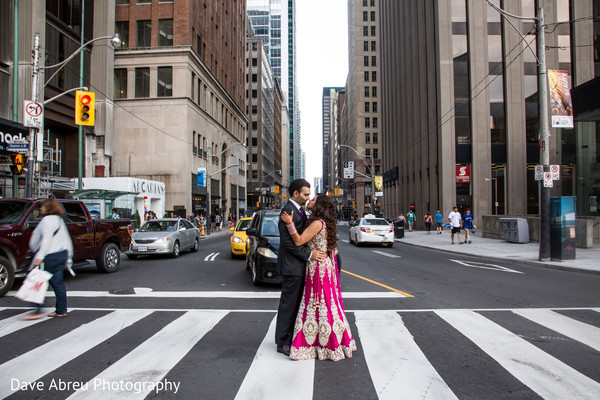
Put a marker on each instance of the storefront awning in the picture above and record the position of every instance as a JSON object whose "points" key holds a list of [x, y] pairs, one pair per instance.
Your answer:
{"points": [[99, 194]]}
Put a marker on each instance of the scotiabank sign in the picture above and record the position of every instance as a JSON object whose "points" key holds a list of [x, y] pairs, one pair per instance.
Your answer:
{"points": [[463, 174]]}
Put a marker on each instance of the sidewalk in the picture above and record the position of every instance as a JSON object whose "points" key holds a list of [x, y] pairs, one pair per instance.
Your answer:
{"points": [[221, 233], [587, 260]]}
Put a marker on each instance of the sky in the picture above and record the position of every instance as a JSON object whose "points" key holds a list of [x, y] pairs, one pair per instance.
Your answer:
{"points": [[322, 61]]}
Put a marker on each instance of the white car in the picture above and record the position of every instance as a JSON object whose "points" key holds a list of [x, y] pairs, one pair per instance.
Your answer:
{"points": [[371, 229]]}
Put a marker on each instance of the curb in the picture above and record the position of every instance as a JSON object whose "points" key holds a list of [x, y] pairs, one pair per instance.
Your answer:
{"points": [[524, 262]]}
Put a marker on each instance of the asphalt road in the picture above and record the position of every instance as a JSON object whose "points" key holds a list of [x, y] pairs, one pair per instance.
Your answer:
{"points": [[427, 325]]}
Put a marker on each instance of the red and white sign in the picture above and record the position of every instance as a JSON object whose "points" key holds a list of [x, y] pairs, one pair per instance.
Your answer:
{"points": [[547, 179], [555, 171], [539, 172], [463, 173], [33, 114]]}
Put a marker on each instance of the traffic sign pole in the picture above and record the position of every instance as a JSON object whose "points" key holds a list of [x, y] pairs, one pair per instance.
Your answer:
{"points": [[32, 130]]}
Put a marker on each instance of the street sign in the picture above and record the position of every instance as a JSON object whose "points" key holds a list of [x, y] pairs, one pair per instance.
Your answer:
{"points": [[201, 177], [539, 172], [348, 169], [33, 114], [547, 179], [555, 171], [18, 145], [378, 194]]}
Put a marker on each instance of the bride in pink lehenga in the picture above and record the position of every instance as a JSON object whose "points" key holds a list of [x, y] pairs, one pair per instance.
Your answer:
{"points": [[321, 328]]}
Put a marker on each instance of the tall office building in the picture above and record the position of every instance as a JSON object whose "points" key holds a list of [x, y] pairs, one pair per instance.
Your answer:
{"points": [[460, 105], [328, 96], [274, 21], [361, 106]]}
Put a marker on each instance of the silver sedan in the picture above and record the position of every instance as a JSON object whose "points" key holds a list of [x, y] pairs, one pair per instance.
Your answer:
{"points": [[372, 230], [164, 236]]}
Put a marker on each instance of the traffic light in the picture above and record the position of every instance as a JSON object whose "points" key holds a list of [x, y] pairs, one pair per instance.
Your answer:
{"points": [[336, 191], [276, 189], [85, 107], [18, 163]]}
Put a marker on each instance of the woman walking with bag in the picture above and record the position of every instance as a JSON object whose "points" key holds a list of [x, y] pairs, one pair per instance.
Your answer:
{"points": [[52, 245]]}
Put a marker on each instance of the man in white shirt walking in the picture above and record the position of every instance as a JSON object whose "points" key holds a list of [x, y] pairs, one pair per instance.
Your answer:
{"points": [[456, 223]]}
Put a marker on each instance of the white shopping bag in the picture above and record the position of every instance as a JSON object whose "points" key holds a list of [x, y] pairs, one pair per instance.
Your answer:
{"points": [[34, 286]]}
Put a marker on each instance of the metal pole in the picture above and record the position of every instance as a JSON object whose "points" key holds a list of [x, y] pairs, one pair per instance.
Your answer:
{"points": [[80, 127], [15, 178], [32, 131], [545, 251], [208, 179]]}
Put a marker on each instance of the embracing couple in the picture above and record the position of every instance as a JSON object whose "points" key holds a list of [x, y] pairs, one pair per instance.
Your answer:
{"points": [[311, 321]]}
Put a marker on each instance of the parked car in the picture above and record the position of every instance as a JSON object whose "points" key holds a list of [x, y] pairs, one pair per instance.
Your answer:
{"points": [[263, 246], [239, 237], [98, 239], [370, 229], [164, 236]]}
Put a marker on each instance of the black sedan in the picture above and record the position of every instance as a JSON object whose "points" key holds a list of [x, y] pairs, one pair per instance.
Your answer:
{"points": [[263, 246]]}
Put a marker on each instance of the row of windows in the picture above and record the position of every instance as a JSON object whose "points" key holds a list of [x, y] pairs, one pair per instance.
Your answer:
{"points": [[370, 91], [366, 3], [375, 153], [373, 61], [164, 82], [368, 107], [126, 2], [368, 122], [368, 138], [366, 16], [373, 76], [144, 32], [366, 31], [373, 45]]}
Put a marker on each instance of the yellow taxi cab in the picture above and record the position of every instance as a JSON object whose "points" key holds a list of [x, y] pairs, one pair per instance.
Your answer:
{"points": [[239, 237]]}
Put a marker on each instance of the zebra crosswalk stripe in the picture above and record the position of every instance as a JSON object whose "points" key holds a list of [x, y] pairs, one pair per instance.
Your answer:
{"points": [[396, 364], [16, 322], [584, 333], [38, 362], [544, 374], [152, 360], [273, 376]]}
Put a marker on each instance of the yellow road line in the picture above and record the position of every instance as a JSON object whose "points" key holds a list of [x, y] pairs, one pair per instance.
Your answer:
{"points": [[378, 284]]}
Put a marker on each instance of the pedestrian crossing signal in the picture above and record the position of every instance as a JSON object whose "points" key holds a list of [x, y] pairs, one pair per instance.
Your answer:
{"points": [[18, 163], [85, 108]]}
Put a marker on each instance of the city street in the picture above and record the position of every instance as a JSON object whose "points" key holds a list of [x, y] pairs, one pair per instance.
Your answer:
{"points": [[428, 324]]}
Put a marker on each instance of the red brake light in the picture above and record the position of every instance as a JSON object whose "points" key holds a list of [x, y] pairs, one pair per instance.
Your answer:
{"points": [[364, 230]]}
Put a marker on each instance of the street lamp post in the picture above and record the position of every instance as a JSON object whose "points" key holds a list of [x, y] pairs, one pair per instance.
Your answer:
{"points": [[372, 177]]}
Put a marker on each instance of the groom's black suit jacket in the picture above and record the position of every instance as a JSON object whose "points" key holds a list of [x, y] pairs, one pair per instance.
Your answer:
{"points": [[292, 259]]}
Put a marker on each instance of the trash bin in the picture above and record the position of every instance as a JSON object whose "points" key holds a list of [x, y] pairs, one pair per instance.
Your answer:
{"points": [[399, 229], [562, 233]]}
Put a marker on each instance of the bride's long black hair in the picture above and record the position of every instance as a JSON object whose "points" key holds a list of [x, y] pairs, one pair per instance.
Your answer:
{"points": [[325, 210]]}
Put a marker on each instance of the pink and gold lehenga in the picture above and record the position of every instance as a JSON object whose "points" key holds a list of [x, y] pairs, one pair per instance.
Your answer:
{"points": [[321, 329]]}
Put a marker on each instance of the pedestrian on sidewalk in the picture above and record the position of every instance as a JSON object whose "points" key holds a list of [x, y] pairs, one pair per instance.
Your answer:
{"points": [[411, 220], [438, 222], [468, 222], [218, 221], [456, 223], [428, 221]]}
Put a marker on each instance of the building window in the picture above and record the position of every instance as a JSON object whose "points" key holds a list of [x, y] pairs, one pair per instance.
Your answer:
{"points": [[254, 110], [367, 106], [254, 158], [165, 32], [143, 1], [122, 2], [374, 76], [373, 31], [122, 29], [366, 76], [372, 3], [373, 61], [367, 122], [373, 45], [254, 78], [144, 29], [366, 61], [365, 31], [374, 106], [164, 83], [254, 140], [375, 153], [366, 45], [375, 139], [367, 138], [368, 153], [374, 91], [365, 3], [193, 87], [142, 82], [372, 16], [254, 93], [375, 122], [254, 174], [254, 127], [255, 62], [120, 84], [365, 16], [366, 91]]}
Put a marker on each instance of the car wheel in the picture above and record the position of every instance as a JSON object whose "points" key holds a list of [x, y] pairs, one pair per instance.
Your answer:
{"points": [[195, 246], [132, 256], [254, 277], [247, 262], [109, 259], [356, 242], [175, 252], [390, 245], [7, 276], [350, 238]]}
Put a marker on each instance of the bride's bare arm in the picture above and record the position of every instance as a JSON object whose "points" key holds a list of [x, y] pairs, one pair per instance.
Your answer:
{"points": [[308, 233]]}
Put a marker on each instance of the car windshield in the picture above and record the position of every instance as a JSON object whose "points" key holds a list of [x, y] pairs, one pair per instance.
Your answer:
{"points": [[159, 226], [375, 222], [243, 225], [269, 226], [11, 212]]}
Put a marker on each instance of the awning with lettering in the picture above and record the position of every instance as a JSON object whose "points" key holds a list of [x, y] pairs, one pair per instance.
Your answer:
{"points": [[99, 194]]}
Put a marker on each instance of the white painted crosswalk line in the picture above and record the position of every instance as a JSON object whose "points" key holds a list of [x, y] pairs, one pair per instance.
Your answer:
{"points": [[153, 359], [207, 258], [52, 355], [16, 322], [273, 376], [398, 368], [580, 331], [544, 374]]}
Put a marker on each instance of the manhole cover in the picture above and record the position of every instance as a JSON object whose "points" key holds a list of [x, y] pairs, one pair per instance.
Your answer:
{"points": [[123, 291]]}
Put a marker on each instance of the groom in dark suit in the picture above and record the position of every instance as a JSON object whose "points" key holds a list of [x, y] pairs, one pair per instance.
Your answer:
{"points": [[291, 265]]}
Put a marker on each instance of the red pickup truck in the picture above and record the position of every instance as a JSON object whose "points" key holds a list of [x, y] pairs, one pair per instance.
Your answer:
{"points": [[98, 239]]}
